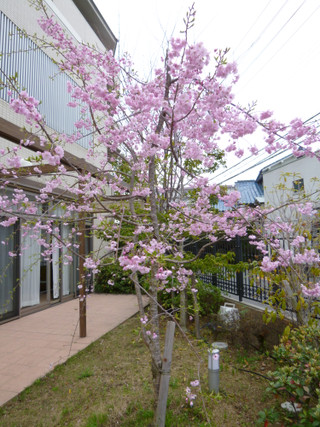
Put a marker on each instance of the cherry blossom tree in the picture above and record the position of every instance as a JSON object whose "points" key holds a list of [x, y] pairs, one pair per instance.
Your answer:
{"points": [[288, 240], [145, 183]]}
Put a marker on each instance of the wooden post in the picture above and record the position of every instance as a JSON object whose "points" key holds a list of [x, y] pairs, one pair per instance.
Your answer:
{"points": [[82, 296], [183, 303], [165, 375], [239, 274], [196, 308], [183, 310]]}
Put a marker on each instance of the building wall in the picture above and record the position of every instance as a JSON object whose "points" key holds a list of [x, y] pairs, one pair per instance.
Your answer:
{"points": [[278, 179], [77, 22], [36, 76], [25, 17], [35, 69]]}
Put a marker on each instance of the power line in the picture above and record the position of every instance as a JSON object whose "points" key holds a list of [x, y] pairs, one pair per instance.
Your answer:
{"points": [[284, 44], [267, 159], [272, 156], [255, 21], [274, 37], [249, 168], [261, 150], [264, 160], [263, 31]]}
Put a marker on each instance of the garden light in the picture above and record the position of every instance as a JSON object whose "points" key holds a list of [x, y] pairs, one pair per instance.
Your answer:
{"points": [[213, 370]]}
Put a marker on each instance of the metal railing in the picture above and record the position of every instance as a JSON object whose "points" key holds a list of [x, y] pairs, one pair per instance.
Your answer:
{"points": [[244, 284]]}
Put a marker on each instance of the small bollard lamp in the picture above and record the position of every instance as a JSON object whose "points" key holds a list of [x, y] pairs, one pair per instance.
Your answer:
{"points": [[213, 369]]}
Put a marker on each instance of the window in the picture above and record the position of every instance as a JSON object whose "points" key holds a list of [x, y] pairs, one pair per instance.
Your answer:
{"points": [[298, 184]]}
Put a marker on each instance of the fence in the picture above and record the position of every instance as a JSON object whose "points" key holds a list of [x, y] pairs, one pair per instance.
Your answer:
{"points": [[244, 284]]}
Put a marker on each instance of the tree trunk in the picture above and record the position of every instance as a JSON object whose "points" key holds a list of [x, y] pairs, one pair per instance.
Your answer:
{"points": [[196, 307], [155, 348], [165, 376], [153, 342]]}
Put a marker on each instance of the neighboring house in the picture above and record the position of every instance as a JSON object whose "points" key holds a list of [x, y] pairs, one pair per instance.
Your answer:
{"points": [[251, 194], [29, 282], [291, 178], [290, 184]]}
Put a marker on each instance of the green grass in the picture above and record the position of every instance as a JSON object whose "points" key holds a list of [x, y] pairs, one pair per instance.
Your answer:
{"points": [[109, 384], [97, 420], [86, 373]]}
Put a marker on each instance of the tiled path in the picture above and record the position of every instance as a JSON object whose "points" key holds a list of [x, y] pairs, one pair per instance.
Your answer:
{"points": [[32, 345]]}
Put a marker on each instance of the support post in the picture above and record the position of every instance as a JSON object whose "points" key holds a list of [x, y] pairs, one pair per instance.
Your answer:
{"points": [[82, 296], [183, 310], [196, 308], [183, 303], [239, 258], [165, 376], [214, 279]]}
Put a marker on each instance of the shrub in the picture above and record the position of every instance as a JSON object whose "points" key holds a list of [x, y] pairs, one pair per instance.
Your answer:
{"points": [[298, 374], [209, 299], [111, 279]]}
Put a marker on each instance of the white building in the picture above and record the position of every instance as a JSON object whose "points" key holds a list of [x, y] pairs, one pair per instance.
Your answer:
{"points": [[28, 282], [291, 178]]}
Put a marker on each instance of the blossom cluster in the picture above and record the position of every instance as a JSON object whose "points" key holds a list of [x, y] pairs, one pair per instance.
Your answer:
{"points": [[27, 106], [312, 291], [190, 396], [154, 145]]}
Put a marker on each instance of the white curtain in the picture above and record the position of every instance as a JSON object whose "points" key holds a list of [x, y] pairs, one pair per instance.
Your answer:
{"points": [[58, 212], [55, 268], [66, 266], [29, 269]]}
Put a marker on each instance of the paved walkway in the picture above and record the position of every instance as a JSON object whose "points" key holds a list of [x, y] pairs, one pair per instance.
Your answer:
{"points": [[31, 346]]}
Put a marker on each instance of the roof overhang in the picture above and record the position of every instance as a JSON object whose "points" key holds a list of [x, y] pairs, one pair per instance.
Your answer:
{"points": [[15, 134], [260, 199], [94, 18]]}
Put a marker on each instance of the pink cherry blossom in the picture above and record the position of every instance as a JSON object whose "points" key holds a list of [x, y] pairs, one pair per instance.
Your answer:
{"points": [[313, 291], [153, 147]]}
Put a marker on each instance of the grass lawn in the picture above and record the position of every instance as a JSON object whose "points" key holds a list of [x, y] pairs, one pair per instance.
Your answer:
{"points": [[109, 384]]}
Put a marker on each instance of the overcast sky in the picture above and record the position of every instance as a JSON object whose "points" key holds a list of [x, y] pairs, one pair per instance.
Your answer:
{"points": [[276, 44]]}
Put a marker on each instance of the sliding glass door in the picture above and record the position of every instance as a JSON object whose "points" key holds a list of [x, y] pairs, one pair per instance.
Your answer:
{"points": [[9, 266]]}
